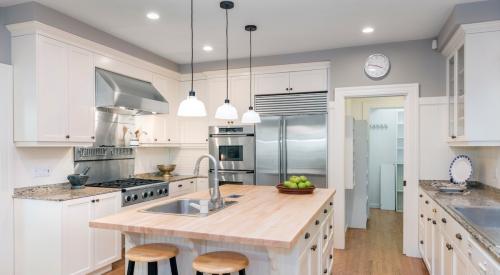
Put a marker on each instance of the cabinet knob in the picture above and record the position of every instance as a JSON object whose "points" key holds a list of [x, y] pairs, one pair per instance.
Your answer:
{"points": [[434, 222], [331, 226], [325, 211], [307, 235], [453, 137], [458, 236], [316, 222], [291, 89], [206, 139], [449, 246], [287, 89], [325, 237], [420, 195], [156, 139], [331, 203], [426, 202], [67, 136], [421, 242], [92, 201], [429, 219], [92, 137], [97, 200], [443, 220], [314, 247], [421, 215], [331, 256], [434, 210], [325, 271], [180, 185], [168, 139]]}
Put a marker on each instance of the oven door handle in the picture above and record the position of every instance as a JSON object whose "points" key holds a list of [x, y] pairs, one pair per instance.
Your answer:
{"points": [[218, 135], [233, 172]]}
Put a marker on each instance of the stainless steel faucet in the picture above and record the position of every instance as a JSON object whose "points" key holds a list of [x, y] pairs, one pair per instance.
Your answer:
{"points": [[215, 197]]}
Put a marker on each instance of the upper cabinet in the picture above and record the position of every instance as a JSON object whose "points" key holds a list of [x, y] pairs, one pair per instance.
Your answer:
{"points": [[193, 131], [314, 80], [53, 92], [239, 95], [473, 85]]}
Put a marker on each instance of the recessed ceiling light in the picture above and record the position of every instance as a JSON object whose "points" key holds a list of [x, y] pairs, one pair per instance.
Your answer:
{"points": [[368, 30], [207, 48], [153, 15]]}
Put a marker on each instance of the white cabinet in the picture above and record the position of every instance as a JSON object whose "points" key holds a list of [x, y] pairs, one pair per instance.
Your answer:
{"points": [[473, 84], [201, 184], [53, 92], [239, 96], [292, 82], [54, 237], [181, 187]]}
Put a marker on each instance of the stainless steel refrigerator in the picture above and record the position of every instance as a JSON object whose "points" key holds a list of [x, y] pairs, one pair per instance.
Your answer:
{"points": [[289, 145]]}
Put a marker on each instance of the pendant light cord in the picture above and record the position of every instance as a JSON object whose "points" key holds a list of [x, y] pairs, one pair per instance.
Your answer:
{"points": [[250, 69], [192, 49], [227, 57]]}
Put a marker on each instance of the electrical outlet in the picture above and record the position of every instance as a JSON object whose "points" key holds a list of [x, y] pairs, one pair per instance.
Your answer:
{"points": [[41, 172]]}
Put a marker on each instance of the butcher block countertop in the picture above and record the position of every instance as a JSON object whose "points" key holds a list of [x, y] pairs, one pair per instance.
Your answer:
{"points": [[262, 217]]}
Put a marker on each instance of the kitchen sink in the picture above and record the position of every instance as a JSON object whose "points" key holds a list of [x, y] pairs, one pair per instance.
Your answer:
{"points": [[486, 220], [183, 207]]}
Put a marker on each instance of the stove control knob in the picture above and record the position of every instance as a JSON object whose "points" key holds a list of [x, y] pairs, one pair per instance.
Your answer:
{"points": [[135, 197], [165, 191], [128, 198], [160, 191], [151, 193], [145, 195]]}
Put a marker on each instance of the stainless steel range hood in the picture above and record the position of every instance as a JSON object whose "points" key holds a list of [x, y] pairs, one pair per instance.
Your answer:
{"points": [[120, 94]]}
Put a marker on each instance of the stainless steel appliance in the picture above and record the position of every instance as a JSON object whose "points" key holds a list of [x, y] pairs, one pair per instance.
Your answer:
{"points": [[113, 167], [234, 149], [292, 138]]}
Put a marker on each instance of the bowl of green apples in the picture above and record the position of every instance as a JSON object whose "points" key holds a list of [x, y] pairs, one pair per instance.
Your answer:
{"points": [[296, 185]]}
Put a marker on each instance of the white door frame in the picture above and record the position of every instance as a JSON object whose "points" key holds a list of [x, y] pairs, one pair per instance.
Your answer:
{"points": [[411, 158]]}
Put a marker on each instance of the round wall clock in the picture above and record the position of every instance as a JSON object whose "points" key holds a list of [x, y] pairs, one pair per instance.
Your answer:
{"points": [[377, 66]]}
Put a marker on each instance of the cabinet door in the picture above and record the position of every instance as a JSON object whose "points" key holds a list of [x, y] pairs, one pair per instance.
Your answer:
{"points": [[160, 129], [460, 91], [451, 96], [460, 263], [240, 95], [276, 83], [145, 124], [81, 95], [106, 243], [315, 255], [167, 130], [437, 255], [309, 81], [52, 69], [304, 262], [217, 91], [195, 130], [447, 256], [77, 236]]}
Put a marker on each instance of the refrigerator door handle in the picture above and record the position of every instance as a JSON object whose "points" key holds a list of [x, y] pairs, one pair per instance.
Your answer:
{"points": [[280, 168], [284, 154]]}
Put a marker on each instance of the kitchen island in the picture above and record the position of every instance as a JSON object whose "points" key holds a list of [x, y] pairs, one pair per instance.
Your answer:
{"points": [[280, 234]]}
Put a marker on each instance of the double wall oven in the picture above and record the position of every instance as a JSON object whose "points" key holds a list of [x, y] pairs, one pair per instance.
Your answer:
{"points": [[234, 148]]}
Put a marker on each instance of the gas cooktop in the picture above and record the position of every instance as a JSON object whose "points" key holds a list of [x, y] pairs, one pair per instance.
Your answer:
{"points": [[124, 183]]}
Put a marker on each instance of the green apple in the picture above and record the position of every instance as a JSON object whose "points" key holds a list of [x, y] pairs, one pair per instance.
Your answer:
{"points": [[295, 179], [303, 178], [286, 183], [293, 185], [302, 185], [308, 184]]}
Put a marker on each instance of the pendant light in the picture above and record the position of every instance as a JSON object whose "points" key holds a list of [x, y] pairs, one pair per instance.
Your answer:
{"points": [[250, 116], [191, 106], [226, 110]]}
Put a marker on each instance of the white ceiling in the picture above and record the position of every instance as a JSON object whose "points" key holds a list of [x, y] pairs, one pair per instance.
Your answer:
{"points": [[284, 26]]}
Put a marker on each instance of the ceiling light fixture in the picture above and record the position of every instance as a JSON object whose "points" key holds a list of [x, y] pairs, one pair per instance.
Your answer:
{"points": [[250, 116], [191, 106], [368, 30], [153, 15], [226, 110], [207, 48]]}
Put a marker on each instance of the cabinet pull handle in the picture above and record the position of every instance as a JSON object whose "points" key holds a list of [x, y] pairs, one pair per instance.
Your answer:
{"points": [[180, 185], [420, 195], [92, 137], [331, 256], [307, 235], [429, 219], [458, 236], [331, 226], [443, 220], [286, 89], [331, 203], [291, 89], [434, 210], [325, 237], [97, 200], [453, 137], [421, 215], [426, 202], [325, 211], [449, 246], [92, 201], [325, 271], [314, 247], [434, 222], [316, 222]]}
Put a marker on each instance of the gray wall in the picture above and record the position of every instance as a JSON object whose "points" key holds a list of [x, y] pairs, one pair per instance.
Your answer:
{"points": [[411, 61], [466, 14], [36, 11], [4, 40]]}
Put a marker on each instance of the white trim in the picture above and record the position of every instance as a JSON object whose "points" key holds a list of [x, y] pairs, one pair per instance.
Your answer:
{"points": [[35, 27], [458, 37], [436, 100], [270, 69], [411, 158]]}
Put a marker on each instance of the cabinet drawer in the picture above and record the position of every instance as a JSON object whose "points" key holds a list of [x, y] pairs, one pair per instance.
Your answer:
{"points": [[181, 187], [481, 261], [327, 259], [454, 231]]}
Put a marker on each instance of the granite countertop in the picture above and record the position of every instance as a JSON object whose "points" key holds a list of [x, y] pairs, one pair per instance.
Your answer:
{"points": [[58, 192], [174, 178], [483, 196]]}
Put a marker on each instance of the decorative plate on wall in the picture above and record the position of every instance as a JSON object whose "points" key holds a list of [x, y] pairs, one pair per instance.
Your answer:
{"points": [[460, 169]]}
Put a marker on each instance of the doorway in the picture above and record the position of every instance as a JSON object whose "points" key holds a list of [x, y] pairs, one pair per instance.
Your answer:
{"points": [[337, 134]]}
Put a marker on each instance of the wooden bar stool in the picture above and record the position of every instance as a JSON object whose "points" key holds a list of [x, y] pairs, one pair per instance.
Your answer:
{"points": [[152, 254], [222, 262]]}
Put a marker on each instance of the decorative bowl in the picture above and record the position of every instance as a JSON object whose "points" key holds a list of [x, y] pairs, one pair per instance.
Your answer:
{"points": [[293, 191], [166, 169], [77, 181]]}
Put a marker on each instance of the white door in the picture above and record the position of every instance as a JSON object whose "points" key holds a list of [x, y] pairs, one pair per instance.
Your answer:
{"points": [[76, 236], [106, 243], [275, 83], [52, 68], [81, 95], [195, 130], [309, 81]]}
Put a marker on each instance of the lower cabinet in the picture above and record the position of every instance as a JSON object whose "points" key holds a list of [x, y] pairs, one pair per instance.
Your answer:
{"points": [[181, 187], [54, 237], [446, 247]]}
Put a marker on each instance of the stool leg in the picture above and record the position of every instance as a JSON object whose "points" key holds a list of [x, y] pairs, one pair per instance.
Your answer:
{"points": [[241, 272], [226, 274], [173, 266], [130, 269], [153, 268], [199, 273]]}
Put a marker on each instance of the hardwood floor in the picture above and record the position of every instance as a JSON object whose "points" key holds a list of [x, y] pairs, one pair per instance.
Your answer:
{"points": [[377, 250]]}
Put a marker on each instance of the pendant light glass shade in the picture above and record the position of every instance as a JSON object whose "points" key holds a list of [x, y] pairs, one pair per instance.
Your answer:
{"points": [[250, 116], [191, 106], [226, 111]]}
